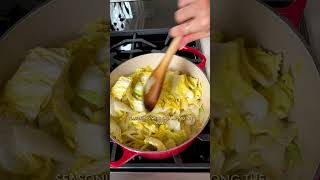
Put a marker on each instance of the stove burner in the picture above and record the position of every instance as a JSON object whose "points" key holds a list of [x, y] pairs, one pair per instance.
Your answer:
{"points": [[128, 44], [126, 41]]}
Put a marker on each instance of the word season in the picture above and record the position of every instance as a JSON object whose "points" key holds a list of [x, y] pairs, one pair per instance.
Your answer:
{"points": [[81, 177]]}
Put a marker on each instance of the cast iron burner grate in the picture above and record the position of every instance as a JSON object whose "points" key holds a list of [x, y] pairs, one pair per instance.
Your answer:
{"points": [[128, 44], [125, 45]]}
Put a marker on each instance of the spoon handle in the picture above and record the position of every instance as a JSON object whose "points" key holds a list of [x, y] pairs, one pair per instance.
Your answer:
{"points": [[172, 49]]}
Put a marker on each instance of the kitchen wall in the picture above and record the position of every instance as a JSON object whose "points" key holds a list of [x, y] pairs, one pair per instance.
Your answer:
{"points": [[160, 14], [149, 14]]}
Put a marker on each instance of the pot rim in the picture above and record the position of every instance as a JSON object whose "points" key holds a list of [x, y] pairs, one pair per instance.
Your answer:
{"points": [[295, 31], [32, 12]]}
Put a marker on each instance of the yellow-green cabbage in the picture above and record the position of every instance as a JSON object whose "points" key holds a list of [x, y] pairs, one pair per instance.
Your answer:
{"points": [[175, 118], [252, 98], [30, 88], [52, 108]]}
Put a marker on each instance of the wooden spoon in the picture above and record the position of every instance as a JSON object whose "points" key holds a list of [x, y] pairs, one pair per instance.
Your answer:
{"points": [[154, 84]]}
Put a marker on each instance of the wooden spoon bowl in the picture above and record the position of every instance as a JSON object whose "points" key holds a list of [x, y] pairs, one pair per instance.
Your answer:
{"points": [[154, 84]]}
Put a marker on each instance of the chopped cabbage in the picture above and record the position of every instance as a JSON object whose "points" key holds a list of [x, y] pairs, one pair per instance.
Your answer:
{"points": [[47, 171], [86, 49], [174, 125], [120, 87], [170, 143], [271, 154], [138, 105], [156, 143], [9, 160], [192, 82], [180, 87], [252, 99], [42, 104], [117, 108], [29, 90], [115, 130], [138, 90], [237, 134], [288, 132], [293, 156], [30, 140], [270, 124], [280, 95], [66, 118], [294, 162], [264, 67], [90, 140], [48, 122], [217, 157], [98, 117], [236, 93], [92, 86], [169, 124]]}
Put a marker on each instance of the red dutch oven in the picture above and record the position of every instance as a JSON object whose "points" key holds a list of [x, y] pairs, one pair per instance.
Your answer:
{"points": [[177, 64]]}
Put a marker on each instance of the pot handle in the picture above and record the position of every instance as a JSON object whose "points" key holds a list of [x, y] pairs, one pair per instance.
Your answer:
{"points": [[126, 156], [294, 12], [194, 51]]}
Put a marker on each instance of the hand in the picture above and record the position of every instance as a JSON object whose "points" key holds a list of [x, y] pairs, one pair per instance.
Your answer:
{"points": [[193, 18]]}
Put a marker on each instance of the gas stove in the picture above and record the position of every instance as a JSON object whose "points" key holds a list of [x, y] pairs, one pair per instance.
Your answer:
{"points": [[125, 45]]}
